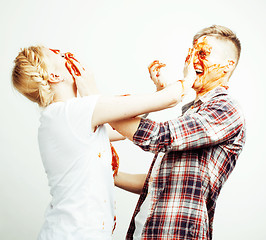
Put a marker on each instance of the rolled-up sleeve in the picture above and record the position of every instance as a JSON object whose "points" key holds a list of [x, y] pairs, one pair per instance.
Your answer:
{"points": [[152, 136], [216, 122]]}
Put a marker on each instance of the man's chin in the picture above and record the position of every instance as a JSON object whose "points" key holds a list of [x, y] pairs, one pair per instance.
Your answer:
{"points": [[197, 83]]}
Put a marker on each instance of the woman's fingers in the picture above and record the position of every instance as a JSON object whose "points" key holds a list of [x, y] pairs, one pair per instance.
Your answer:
{"points": [[154, 70]]}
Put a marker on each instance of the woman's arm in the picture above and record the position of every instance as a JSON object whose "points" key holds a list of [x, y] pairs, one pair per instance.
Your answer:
{"points": [[130, 182], [113, 108]]}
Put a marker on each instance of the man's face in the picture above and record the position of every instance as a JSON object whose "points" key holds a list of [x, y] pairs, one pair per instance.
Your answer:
{"points": [[210, 63]]}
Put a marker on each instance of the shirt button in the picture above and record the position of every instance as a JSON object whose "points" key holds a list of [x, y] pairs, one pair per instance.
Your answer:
{"points": [[192, 230]]}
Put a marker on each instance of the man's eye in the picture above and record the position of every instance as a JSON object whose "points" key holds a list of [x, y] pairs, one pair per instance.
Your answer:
{"points": [[202, 53]]}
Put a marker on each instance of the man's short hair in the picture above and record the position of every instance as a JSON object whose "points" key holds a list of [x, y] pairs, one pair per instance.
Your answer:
{"points": [[222, 33]]}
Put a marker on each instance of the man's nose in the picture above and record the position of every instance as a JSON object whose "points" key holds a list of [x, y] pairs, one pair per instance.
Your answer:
{"points": [[196, 59]]}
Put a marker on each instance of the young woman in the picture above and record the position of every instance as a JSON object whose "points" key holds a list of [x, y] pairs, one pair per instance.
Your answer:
{"points": [[73, 141]]}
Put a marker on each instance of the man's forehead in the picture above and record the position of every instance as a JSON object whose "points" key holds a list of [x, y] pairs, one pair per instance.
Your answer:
{"points": [[213, 41], [213, 44], [206, 40]]}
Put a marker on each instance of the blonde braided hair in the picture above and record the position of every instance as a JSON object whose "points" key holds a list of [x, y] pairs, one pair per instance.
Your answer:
{"points": [[30, 76]]}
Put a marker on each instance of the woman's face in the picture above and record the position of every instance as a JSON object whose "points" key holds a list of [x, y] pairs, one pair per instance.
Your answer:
{"points": [[61, 64]]}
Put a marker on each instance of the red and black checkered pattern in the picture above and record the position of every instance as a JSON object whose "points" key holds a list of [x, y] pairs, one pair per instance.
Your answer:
{"points": [[201, 148]]}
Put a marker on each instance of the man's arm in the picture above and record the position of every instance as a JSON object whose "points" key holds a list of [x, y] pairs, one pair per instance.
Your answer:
{"points": [[216, 122], [126, 127], [113, 134], [130, 182]]}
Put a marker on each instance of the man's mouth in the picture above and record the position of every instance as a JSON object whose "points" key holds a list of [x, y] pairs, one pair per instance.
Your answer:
{"points": [[199, 71]]}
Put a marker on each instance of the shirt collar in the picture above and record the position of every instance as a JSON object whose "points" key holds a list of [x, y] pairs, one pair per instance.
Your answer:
{"points": [[213, 93], [205, 98]]}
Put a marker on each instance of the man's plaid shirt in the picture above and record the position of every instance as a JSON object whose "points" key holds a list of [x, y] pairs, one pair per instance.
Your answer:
{"points": [[201, 148]]}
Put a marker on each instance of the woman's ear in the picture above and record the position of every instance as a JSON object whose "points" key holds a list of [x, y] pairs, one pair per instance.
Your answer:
{"points": [[53, 78]]}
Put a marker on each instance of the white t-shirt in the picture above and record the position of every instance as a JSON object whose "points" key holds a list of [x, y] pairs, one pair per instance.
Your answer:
{"points": [[77, 162], [145, 209]]}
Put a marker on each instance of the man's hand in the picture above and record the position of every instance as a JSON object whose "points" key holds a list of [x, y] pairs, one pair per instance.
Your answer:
{"points": [[85, 82], [154, 70]]}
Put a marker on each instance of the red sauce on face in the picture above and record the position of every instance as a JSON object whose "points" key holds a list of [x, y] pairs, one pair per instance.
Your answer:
{"points": [[226, 87], [70, 62], [55, 51], [202, 50], [71, 65]]}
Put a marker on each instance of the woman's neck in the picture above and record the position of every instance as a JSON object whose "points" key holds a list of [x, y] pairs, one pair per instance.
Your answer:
{"points": [[64, 92]]}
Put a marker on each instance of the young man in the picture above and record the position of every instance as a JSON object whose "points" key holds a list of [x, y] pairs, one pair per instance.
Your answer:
{"points": [[194, 153]]}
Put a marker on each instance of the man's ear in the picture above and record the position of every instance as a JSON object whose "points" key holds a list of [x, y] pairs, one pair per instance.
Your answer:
{"points": [[53, 78], [230, 66]]}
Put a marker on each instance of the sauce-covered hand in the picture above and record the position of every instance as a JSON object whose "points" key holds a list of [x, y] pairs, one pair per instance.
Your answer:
{"points": [[84, 80], [189, 71], [154, 70]]}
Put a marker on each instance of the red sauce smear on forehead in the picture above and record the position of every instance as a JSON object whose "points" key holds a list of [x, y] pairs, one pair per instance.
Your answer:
{"points": [[55, 51], [203, 48]]}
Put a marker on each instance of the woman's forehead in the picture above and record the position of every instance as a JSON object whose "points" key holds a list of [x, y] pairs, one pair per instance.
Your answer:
{"points": [[56, 51]]}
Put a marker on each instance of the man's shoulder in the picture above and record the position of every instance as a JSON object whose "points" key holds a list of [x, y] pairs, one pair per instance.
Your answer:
{"points": [[224, 103], [221, 97]]}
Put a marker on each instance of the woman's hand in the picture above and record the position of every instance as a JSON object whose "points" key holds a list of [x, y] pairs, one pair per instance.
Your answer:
{"points": [[154, 70], [189, 71]]}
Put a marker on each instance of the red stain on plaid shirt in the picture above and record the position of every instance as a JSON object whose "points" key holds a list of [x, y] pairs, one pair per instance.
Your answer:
{"points": [[201, 148]]}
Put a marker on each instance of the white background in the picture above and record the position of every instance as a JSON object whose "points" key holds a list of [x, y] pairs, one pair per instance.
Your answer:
{"points": [[117, 40]]}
